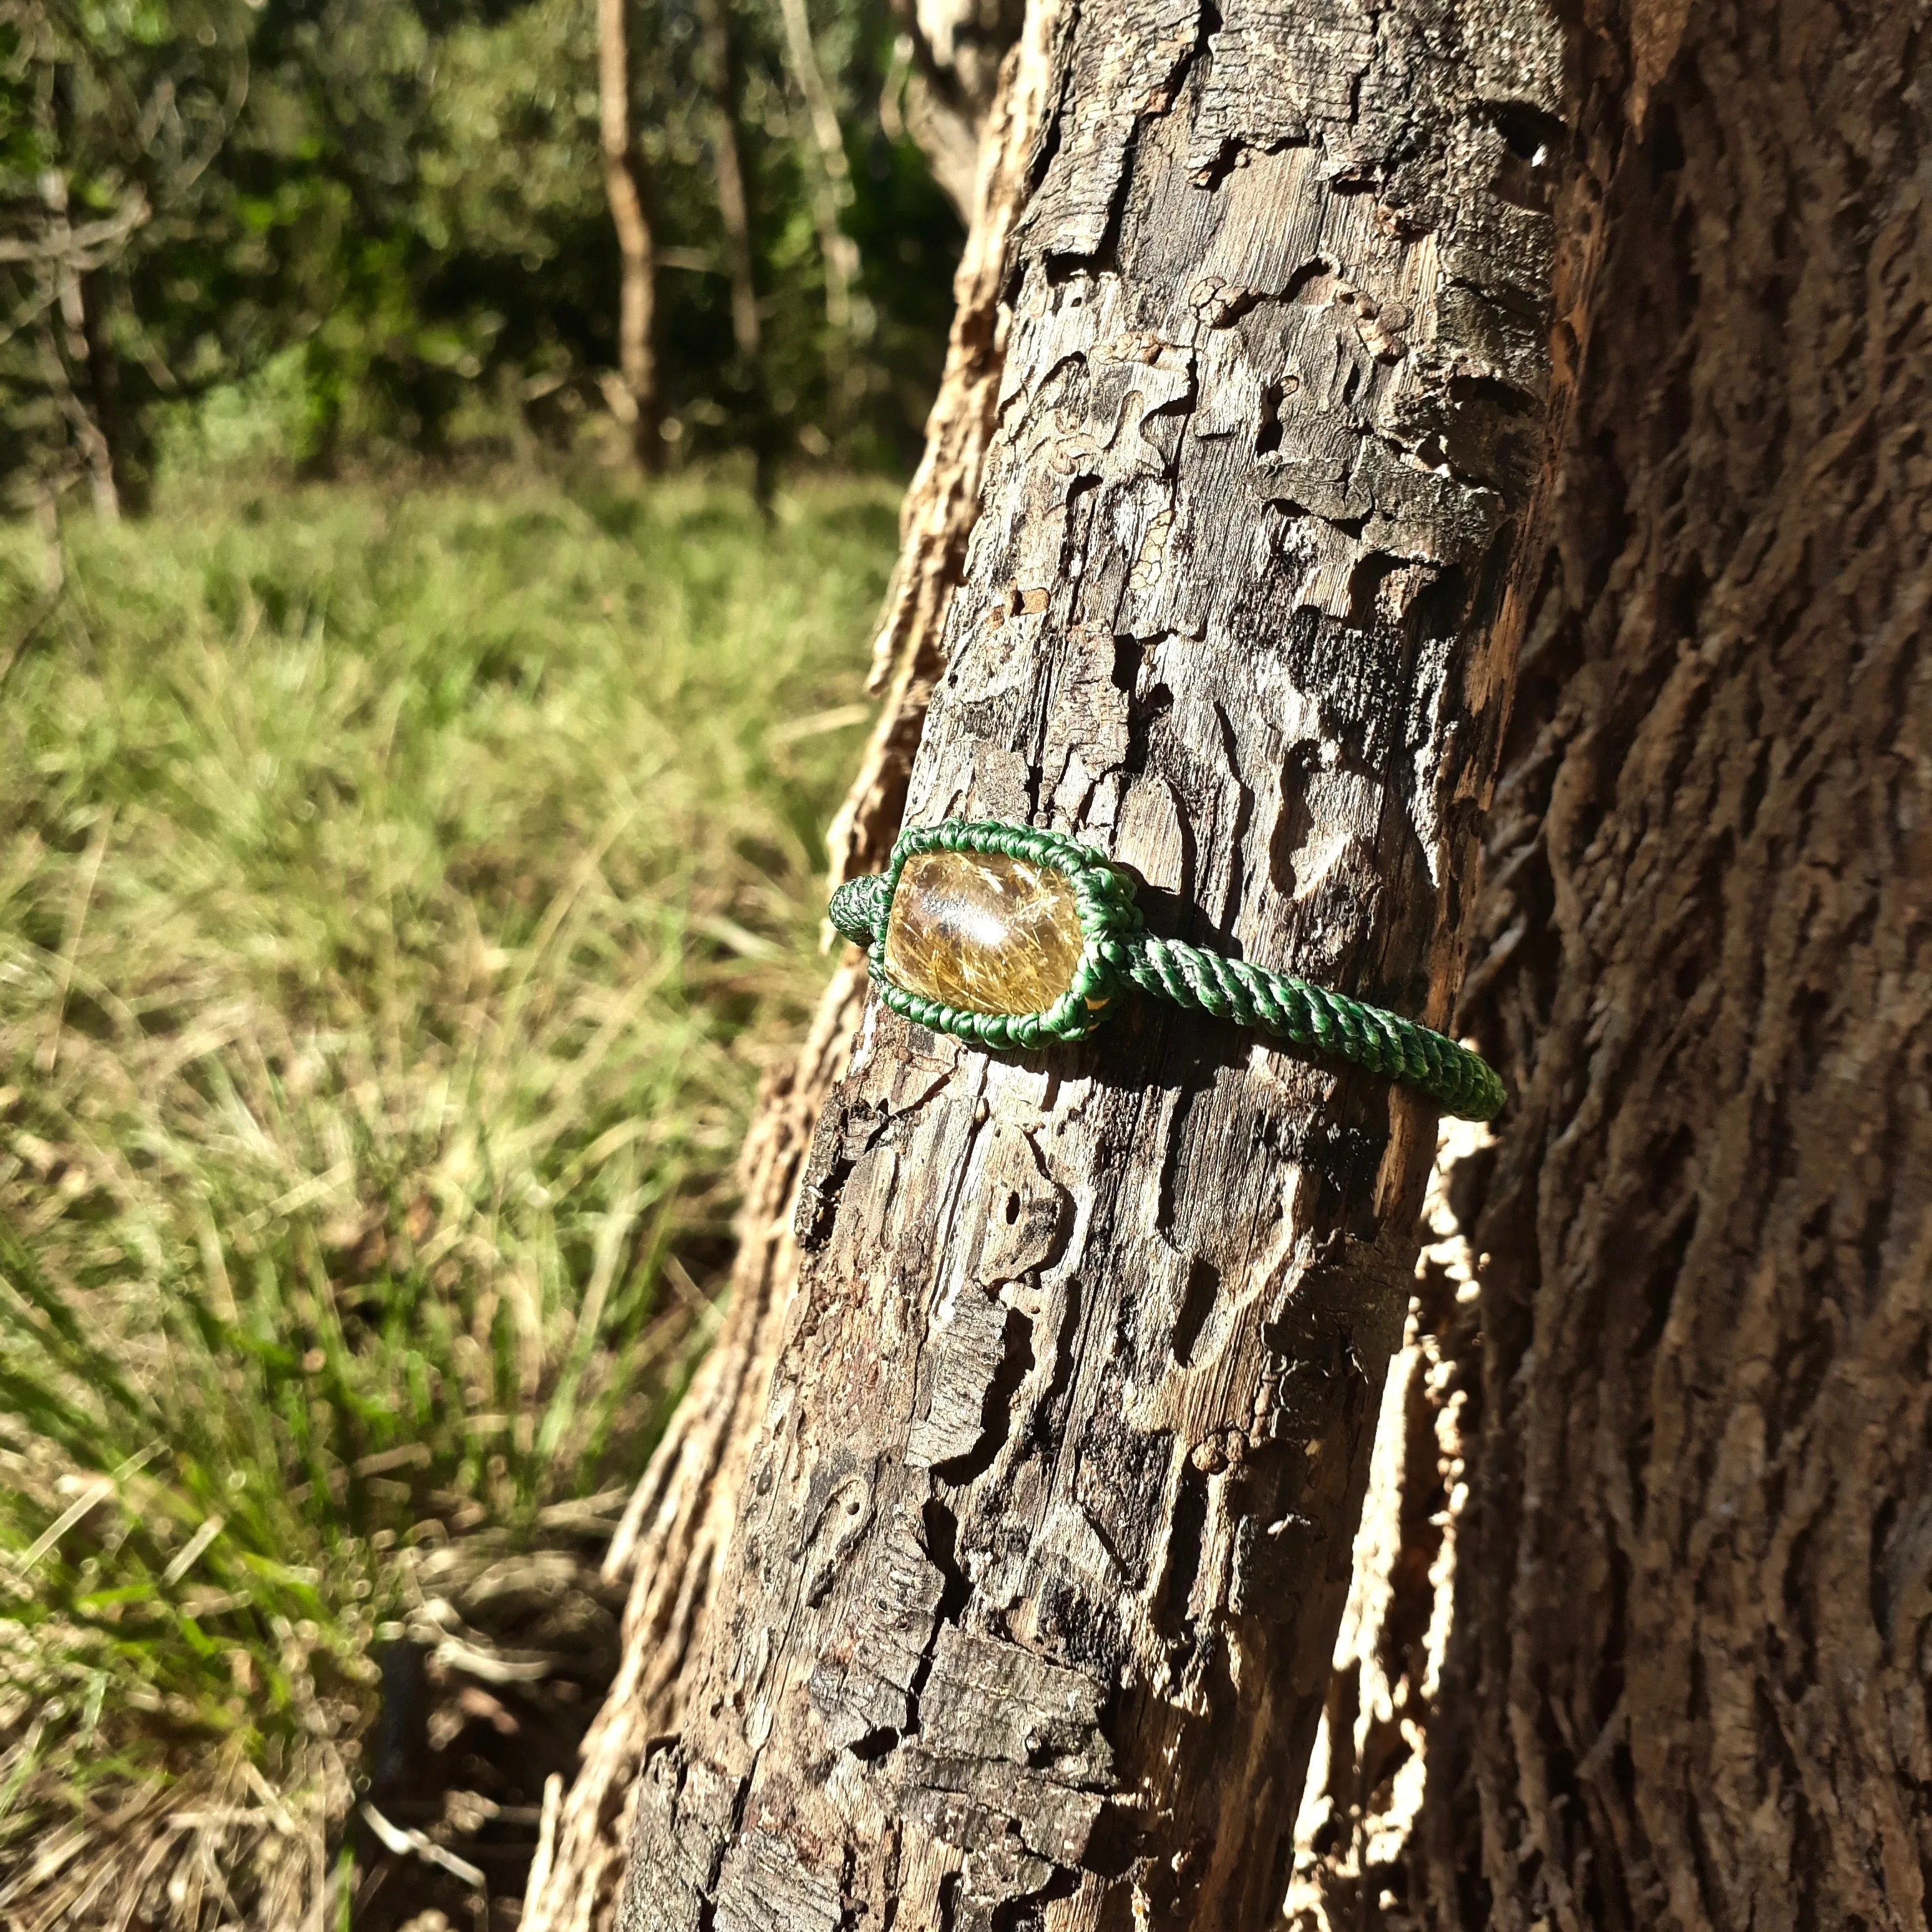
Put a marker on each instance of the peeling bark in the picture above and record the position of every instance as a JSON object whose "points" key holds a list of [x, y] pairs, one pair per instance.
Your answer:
{"points": [[1040, 1550], [1692, 1631]]}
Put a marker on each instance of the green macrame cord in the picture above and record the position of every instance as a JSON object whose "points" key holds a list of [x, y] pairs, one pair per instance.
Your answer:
{"points": [[1119, 950], [1464, 1083], [861, 908]]}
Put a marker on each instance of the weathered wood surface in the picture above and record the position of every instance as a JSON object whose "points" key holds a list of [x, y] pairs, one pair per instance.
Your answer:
{"points": [[1027, 1615], [1687, 1409]]}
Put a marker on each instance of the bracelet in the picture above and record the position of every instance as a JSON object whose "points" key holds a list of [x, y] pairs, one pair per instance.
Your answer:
{"points": [[1009, 937]]}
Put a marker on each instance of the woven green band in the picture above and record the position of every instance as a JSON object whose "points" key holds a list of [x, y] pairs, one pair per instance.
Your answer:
{"points": [[1119, 951]]}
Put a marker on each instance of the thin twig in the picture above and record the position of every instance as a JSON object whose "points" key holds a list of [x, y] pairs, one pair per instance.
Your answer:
{"points": [[402, 1843]]}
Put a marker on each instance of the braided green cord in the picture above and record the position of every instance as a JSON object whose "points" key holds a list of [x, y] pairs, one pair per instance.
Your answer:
{"points": [[858, 908], [1463, 1083]]}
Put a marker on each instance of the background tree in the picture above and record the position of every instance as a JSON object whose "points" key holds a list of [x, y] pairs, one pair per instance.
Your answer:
{"points": [[384, 227], [832, 195], [113, 118], [951, 56], [627, 188], [725, 83]]}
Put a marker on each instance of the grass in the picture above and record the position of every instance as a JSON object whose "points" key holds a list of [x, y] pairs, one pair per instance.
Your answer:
{"points": [[399, 892]]}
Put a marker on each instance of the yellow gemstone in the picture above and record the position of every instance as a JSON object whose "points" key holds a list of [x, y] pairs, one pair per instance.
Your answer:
{"points": [[984, 932]]}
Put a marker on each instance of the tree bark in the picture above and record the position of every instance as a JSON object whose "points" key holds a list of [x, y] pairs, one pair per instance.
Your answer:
{"points": [[626, 187], [1679, 1510], [1040, 1553]]}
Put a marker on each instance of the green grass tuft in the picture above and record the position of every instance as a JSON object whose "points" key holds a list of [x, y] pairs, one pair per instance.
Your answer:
{"points": [[399, 895]]}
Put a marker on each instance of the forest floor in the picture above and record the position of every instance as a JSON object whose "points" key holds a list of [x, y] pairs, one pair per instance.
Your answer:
{"points": [[401, 891]]}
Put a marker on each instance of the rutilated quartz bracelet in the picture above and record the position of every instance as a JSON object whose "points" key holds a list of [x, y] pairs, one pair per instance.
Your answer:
{"points": [[1009, 937]]}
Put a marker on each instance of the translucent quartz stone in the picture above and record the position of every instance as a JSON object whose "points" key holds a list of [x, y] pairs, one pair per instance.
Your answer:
{"points": [[984, 932]]}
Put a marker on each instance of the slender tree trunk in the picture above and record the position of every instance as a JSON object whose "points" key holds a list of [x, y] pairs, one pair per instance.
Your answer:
{"points": [[74, 353], [626, 187], [1041, 1548], [84, 379], [734, 207], [718, 54], [831, 193], [1674, 1670], [92, 293]]}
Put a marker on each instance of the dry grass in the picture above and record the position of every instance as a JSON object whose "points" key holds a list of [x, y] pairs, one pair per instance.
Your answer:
{"points": [[398, 894]]}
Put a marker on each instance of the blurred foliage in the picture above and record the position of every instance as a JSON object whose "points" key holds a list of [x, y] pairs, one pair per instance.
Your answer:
{"points": [[383, 220], [401, 891]]}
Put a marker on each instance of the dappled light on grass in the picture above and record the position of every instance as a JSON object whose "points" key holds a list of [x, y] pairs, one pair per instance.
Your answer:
{"points": [[399, 895]]}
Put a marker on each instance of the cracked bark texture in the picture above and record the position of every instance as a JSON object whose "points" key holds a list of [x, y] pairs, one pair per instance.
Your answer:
{"points": [[1671, 1468], [1038, 1557]]}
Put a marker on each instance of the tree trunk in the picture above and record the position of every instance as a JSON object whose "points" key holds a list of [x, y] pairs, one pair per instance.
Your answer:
{"points": [[832, 186], [627, 189], [718, 62], [734, 206], [1040, 1552], [671, 1541], [81, 370], [74, 348], [1671, 1468]]}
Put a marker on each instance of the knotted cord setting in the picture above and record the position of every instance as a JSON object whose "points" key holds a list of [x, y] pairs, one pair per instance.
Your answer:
{"points": [[1115, 949]]}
